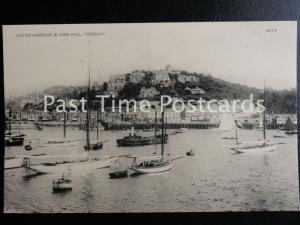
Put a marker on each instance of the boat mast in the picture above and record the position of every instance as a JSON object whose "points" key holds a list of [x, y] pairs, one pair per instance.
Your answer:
{"points": [[97, 124], [155, 121], [9, 125], [264, 113], [87, 105], [65, 123], [162, 133], [236, 134], [20, 123]]}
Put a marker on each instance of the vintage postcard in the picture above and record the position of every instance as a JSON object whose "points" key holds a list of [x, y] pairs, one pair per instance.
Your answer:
{"points": [[151, 117]]}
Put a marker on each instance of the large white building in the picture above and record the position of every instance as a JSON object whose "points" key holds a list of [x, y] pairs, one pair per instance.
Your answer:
{"points": [[135, 76], [161, 76]]}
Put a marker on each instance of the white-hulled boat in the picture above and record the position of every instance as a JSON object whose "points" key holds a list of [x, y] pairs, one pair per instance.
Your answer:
{"points": [[59, 143], [256, 147], [153, 165], [77, 167], [58, 158]]}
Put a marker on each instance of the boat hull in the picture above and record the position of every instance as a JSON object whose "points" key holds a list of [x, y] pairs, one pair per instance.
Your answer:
{"points": [[118, 174], [95, 146], [255, 150], [139, 141], [14, 141], [60, 144], [75, 167], [147, 170], [58, 187]]}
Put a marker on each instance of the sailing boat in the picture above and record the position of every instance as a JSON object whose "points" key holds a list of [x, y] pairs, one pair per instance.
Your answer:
{"points": [[289, 127], [227, 126], [260, 126], [53, 143], [153, 164], [64, 183], [118, 170], [94, 145], [77, 167], [256, 147]]}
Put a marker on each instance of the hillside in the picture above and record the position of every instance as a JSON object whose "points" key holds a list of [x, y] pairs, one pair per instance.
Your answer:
{"points": [[277, 101]]}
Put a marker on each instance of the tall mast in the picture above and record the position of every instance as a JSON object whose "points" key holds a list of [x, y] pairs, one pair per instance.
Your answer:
{"points": [[162, 133], [9, 125], [65, 123], [264, 113], [20, 123], [155, 121], [236, 134], [87, 105], [97, 124]]}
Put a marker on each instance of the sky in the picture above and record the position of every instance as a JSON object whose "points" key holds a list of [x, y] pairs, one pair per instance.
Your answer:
{"points": [[239, 52]]}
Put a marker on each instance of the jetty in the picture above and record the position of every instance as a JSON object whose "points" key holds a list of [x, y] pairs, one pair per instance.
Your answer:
{"points": [[126, 125]]}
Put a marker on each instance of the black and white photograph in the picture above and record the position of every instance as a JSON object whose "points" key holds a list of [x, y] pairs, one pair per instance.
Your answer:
{"points": [[151, 117]]}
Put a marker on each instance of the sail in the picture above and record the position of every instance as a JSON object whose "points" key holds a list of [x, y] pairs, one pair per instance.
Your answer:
{"points": [[118, 165], [226, 122], [261, 123]]}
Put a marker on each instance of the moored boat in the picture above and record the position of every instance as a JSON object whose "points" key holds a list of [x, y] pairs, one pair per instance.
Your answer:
{"points": [[291, 132], [152, 166], [96, 145], [137, 140], [155, 164], [59, 143], [190, 153], [134, 139], [77, 167], [64, 183], [256, 147], [118, 169], [118, 174], [14, 141], [279, 136]]}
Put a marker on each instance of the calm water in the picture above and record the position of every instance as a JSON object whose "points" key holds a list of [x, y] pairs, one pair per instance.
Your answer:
{"points": [[215, 179]]}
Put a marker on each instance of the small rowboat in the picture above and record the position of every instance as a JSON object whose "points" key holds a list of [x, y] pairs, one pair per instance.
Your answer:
{"points": [[190, 153], [118, 174]]}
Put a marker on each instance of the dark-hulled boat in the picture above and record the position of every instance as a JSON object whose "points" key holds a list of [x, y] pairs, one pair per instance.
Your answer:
{"points": [[95, 146], [118, 174], [14, 141], [137, 140]]}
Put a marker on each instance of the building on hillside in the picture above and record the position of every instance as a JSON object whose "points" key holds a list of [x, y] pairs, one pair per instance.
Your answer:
{"points": [[195, 91], [161, 76], [187, 78], [149, 92], [115, 85], [135, 76]]}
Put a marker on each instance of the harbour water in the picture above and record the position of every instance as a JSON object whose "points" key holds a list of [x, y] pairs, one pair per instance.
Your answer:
{"points": [[215, 179]]}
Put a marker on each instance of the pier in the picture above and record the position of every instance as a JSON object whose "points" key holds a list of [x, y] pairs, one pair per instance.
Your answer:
{"points": [[124, 126]]}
